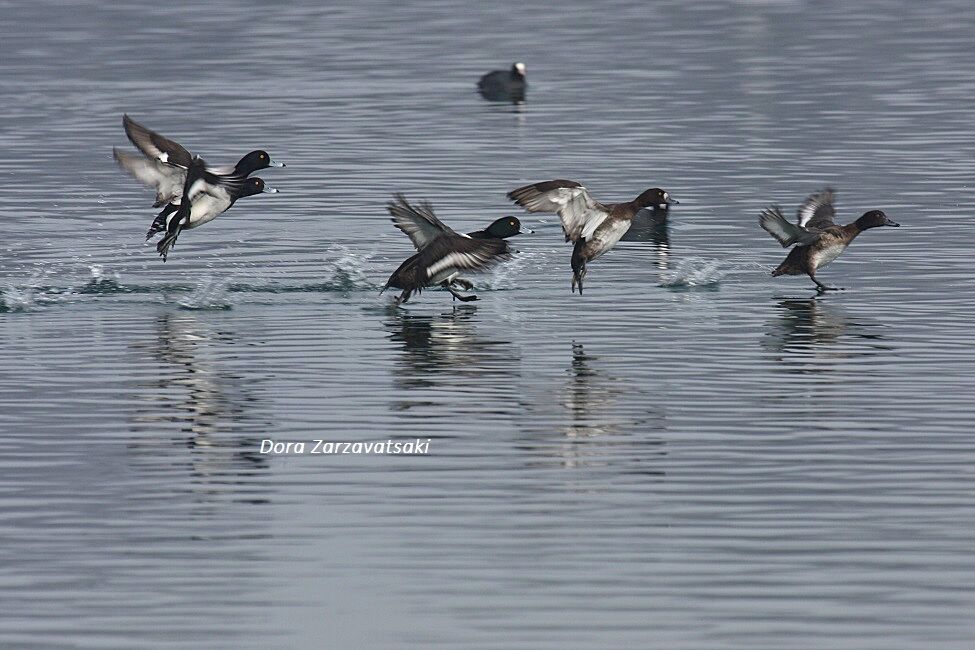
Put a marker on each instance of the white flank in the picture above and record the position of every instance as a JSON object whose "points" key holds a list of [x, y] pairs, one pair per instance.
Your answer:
{"points": [[828, 254], [608, 236]]}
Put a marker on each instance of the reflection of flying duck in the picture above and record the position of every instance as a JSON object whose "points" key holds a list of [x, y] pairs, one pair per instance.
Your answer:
{"points": [[598, 421], [806, 324], [193, 392], [588, 395]]}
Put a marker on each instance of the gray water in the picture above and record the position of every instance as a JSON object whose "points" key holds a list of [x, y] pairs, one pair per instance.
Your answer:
{"points": [[692, 455]]}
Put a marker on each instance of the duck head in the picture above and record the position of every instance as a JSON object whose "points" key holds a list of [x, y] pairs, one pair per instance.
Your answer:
{"points": [[519, 70], [874, 219], [254, 186], [255, 160], [655, 198], [506, 227]]}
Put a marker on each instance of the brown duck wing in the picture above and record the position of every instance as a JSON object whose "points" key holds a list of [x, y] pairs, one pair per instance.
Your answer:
{"points": [[787, 234], [154, 145], [576, 208], [817, 210]]}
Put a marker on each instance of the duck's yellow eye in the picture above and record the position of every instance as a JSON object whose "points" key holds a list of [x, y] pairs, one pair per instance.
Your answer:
{"points": [[511, 223], [262, 156]]}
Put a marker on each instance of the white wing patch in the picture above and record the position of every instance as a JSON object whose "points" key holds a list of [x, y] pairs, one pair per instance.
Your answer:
{"points": [[456, 260], [594, 223], [574, 205], [815, 201], [167, 180]]}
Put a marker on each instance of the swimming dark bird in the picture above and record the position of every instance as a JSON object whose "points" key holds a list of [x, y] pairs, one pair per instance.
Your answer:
{"points": [[504, 85], [163, 163], [592, 226], [202, 200], [442, 254], [817, 240]]}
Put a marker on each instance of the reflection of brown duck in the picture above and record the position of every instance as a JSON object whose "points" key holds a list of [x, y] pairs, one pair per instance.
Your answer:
{"points": [[598, 420], [650, 225], [589, 393], [807, 324]]}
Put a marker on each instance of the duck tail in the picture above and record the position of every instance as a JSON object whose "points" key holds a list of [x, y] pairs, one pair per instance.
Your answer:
{"points": [[172, 234], [166, 243], [159, 223]]}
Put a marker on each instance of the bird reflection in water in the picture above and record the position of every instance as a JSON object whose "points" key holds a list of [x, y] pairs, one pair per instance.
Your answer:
{"points": [[211, 408], [805, 327], [600, 421], [446, 350], [651, 226]]}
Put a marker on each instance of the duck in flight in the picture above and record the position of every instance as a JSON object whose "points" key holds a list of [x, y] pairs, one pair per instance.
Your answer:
{"points": [[202, 200], [817, 240], [593, 227], [442, 253], [163, 164]]}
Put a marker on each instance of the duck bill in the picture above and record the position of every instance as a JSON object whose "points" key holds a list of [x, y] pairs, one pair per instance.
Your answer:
{"points": [[888, 222], [269, 190], [275, 163], [525, 231]]}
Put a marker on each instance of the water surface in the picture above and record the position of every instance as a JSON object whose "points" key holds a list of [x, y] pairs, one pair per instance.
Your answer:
{"points": [[693, 454]]}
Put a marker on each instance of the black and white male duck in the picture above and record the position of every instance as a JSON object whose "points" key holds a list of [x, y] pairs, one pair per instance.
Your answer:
{"points": [[593, 227], [442, 253], [817, 240], [504, 85], [202, 200], [163, 163]]}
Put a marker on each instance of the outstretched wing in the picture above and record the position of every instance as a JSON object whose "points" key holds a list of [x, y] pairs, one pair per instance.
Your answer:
{"points": [[154, 145], [817, 210], [787, 234], [167, 180], [579, 212], [418, 222]]}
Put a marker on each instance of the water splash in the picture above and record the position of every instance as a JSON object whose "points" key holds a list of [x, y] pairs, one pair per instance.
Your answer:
{"points": [[694, 272], [505, 276], [210, 294], [17, 299], [344, 270], [32, 293], [102, 281]]}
